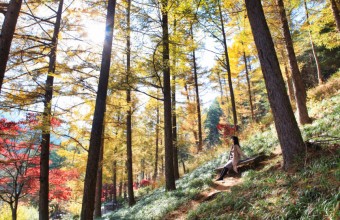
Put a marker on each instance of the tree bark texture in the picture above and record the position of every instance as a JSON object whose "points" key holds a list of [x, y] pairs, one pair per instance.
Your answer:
{"points": [[336, 14], [169, 167], [231, 90], [46, 129], [299, 87], [7, 33], [98, 118], [287, 129]]}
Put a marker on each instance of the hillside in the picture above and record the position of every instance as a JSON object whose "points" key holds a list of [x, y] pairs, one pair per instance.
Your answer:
{"points": [[267, 192]]}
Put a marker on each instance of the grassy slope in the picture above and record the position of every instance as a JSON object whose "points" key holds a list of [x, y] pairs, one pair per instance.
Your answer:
{"points": [[311, 193]]}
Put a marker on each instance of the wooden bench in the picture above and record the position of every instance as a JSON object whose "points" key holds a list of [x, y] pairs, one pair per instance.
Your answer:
{"points": [[245, 164]]}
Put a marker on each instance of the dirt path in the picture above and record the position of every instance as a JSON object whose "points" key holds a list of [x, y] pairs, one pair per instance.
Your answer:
{"points": [[218, 187]]}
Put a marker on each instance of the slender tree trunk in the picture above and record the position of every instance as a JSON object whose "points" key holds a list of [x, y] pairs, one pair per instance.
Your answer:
{"points": [[183, 165], [7, 33], [142, 165], [231, 90], [336, 14], [249, 89], [114, 181], [169, 165], [98, 118], [299, 87], [46, 130], [99, 187], [287, 129], [174, 113], [120, 189], [198, 102], [220, 85], [129, 112], [289, 85], [162, 165], [318, 67], [124, 190], [174, 128], [155, 174]]}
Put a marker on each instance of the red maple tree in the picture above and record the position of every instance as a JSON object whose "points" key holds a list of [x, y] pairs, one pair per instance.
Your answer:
{"points": [[19, 164]]}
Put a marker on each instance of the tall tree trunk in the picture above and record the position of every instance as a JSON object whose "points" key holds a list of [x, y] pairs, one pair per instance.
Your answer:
{"points": [[231, 90], [299, 87], [336, 14], [249, 89], [174, 113], [287, 129], [99, 187], [317, 64], [169, 165], [46, 129], [98, 118], [6, 36], [131, 196], [155, 173], [198, 102], [174, 128]]}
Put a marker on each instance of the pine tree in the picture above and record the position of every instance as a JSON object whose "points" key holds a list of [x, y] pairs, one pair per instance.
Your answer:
{"points": [[211, 122]]}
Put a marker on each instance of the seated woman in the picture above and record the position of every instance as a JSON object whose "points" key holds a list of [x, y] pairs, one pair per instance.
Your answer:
{"points": [[234, 156]]}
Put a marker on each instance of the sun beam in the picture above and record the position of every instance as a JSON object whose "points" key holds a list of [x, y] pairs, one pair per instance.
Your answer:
{"points": [[95, 32]]}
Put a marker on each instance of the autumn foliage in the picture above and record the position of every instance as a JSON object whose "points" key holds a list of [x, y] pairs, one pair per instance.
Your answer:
{"points": [[19, 163]]}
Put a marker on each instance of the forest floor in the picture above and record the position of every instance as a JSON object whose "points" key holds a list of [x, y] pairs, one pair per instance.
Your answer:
{"points": [[218, 187]]}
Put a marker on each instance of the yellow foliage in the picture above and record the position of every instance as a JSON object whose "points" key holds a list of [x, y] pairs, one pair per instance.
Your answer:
{"points": [[24, 212]]}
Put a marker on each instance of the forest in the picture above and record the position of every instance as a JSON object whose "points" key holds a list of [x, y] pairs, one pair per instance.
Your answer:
{"points": [[123, 109]]}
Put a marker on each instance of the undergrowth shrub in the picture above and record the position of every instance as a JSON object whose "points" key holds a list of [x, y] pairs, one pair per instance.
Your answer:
{"points": [[331, 87], [326, 123], [261, 142]]}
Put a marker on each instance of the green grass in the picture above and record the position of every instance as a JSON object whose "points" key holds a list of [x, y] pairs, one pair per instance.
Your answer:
{"points": [[310, 193], [159, 202]]}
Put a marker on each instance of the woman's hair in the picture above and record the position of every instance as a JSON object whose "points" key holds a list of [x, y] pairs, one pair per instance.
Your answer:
{"points": [[235, 140]]}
